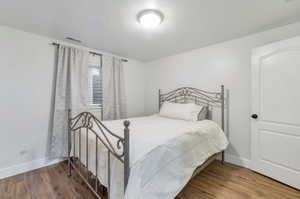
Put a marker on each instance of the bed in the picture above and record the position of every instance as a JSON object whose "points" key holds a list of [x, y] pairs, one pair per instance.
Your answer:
{"points": [[147, 157]]}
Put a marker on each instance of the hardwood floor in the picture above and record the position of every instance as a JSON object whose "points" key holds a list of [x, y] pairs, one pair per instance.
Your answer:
{"points": [[215, 182], [232, 182]]}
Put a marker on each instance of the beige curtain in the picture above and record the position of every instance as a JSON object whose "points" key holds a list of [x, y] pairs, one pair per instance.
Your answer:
{"points": [[69, 92], [114, 101]]}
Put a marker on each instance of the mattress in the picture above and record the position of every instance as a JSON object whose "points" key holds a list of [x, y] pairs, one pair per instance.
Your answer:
{"points": [[163, 155]]}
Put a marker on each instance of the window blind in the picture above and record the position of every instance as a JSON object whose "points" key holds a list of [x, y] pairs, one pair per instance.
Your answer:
{"points": [[95, 81]]}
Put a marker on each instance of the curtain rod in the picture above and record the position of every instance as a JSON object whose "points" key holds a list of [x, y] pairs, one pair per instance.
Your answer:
{"points": [[91, 52]]}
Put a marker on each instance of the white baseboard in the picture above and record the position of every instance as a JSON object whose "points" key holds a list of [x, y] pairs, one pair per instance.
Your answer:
{"points": [[240, 161], [27, 166]]}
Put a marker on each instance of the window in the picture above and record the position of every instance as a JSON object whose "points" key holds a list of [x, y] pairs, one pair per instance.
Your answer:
{"points": [[95, 80]]}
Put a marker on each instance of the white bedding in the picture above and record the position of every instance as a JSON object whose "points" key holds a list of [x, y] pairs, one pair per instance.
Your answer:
{"points": [[163, 155]]}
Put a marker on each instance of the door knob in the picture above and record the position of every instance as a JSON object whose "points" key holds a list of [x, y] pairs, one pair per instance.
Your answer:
{"points": [[254, 116]]}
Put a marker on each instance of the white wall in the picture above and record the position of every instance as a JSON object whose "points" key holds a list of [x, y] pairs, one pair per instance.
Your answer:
{"points": [[135, 86], [26, 71], [227, 63]]}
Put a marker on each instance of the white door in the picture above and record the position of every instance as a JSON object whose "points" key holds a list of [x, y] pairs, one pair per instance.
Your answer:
{"points": [[276, 111]]}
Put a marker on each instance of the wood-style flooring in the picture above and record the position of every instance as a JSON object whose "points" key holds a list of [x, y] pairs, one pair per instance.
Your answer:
{"points": [[216, 182]]}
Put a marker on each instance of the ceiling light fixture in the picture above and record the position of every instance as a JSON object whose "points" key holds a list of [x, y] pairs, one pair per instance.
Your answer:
{"points": [[150, 18]]}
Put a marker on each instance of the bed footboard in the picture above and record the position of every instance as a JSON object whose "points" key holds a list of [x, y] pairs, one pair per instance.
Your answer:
{"points": [[81, 127]]}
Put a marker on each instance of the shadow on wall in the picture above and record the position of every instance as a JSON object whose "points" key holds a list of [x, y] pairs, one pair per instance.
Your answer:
{"points": [[230, 148]]}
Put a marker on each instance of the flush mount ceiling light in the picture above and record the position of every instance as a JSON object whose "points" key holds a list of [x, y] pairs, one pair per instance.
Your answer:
{"points": [[150, 18]]}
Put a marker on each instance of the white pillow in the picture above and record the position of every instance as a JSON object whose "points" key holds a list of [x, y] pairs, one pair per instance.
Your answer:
{"points": [[187, 112]]}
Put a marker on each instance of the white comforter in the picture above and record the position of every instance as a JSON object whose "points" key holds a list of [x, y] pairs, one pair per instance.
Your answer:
{"points": [[163, 155]]}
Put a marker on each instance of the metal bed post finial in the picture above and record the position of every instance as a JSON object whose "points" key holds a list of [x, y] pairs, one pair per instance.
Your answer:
{"points": [[223, 115], [126, 154]]}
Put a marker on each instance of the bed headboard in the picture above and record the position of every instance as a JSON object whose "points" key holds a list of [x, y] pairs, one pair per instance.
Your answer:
{"points": [[197, 96]]}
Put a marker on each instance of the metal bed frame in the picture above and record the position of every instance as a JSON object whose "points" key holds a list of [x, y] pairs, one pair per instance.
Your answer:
{"points": [[87, 124]]}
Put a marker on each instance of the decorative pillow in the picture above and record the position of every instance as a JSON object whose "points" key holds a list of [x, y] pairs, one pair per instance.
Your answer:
{"points": [[198, 113], [177, 111], [203, 114]]}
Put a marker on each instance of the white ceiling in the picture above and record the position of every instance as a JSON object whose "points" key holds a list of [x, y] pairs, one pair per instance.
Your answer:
{"points": [[111, 25]]}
